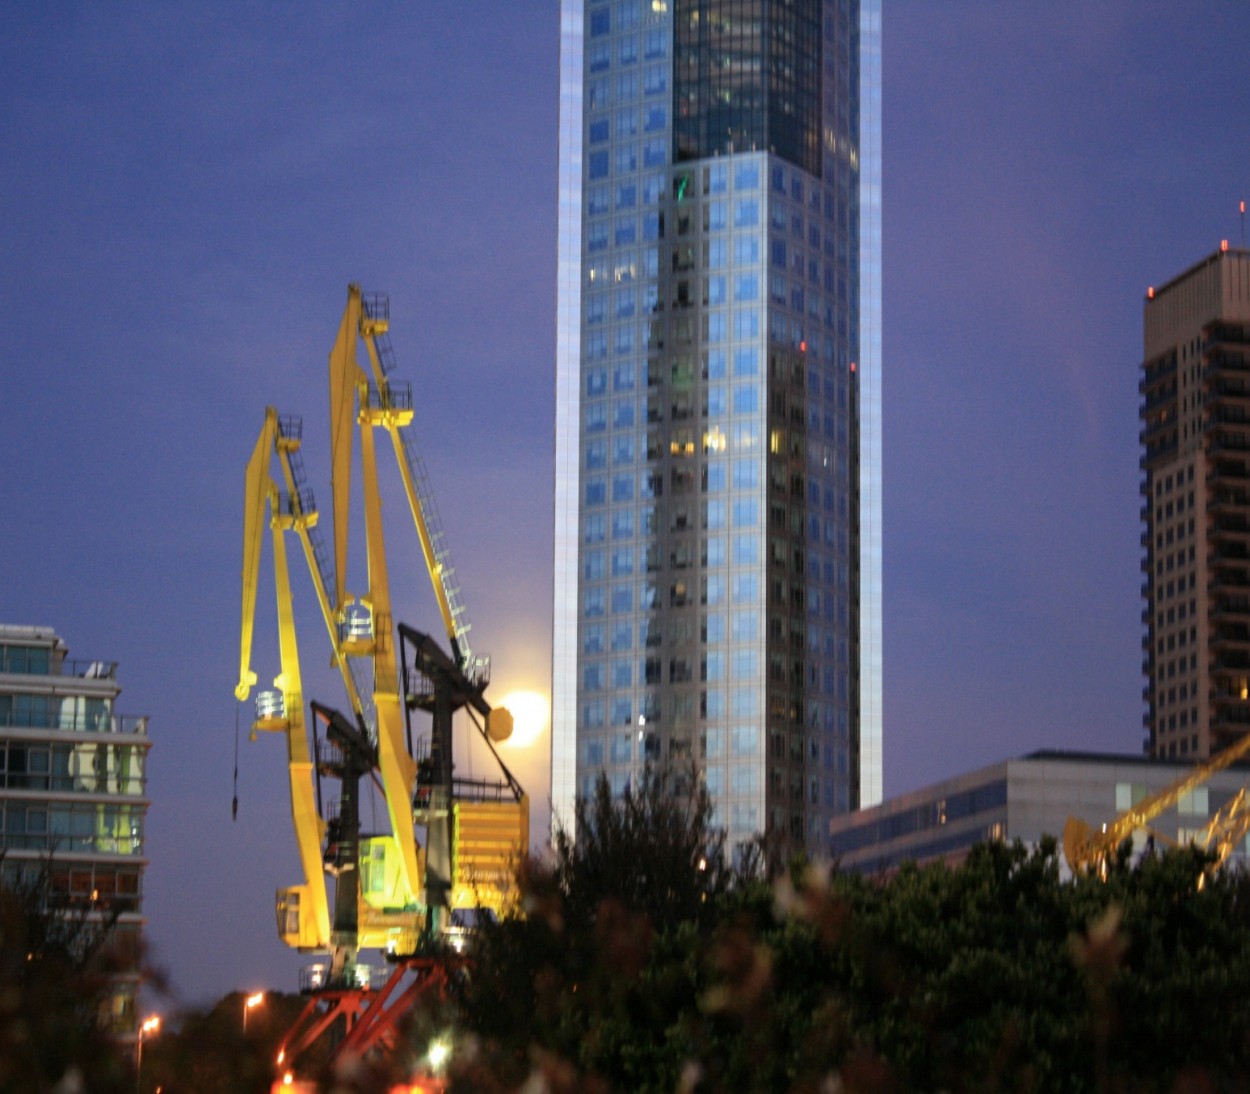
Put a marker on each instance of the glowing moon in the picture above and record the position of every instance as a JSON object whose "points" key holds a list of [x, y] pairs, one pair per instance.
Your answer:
{"points": [[530, 713]]}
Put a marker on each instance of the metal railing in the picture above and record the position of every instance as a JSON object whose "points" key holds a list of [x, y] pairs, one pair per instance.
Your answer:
{"points": [[77, 723], [15, 661], [130, 786]]}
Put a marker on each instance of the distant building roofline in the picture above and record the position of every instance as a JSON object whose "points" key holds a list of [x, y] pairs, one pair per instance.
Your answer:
{"points": [[27, 632], [1206, 260], [1078, 756]]}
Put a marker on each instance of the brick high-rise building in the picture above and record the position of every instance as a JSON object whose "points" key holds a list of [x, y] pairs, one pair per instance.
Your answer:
{"points": [[1195, 415]]}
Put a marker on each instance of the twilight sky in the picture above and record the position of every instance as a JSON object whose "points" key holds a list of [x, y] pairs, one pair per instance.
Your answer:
{"points": [[187, 191]]}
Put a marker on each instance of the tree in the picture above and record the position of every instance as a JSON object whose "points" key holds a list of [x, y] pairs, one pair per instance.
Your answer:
{"points": [[994, 975], [54, 987], [204, 1050], [592, 973]]}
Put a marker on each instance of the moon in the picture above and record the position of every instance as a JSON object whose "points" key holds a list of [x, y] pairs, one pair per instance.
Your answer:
{"points": [[530, 714]]}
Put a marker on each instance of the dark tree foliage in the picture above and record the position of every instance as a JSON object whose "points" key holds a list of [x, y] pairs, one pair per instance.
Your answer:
{"points": [[634, 970], [652, 852], [54, 986], [603, 959], [202, 1051]]}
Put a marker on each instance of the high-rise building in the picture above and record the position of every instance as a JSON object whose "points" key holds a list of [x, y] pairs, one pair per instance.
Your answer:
{"points": [[718, 421], [73, 794], [1195, 419]]}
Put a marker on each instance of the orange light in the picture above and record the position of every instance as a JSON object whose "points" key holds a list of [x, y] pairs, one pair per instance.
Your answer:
{"points": [[1243, 206], [802, 347], [1223, 244], [1150, 293], [852, 366]]}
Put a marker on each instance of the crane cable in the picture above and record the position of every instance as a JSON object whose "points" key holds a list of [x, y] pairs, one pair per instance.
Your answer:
{"points": [[234, 804]]}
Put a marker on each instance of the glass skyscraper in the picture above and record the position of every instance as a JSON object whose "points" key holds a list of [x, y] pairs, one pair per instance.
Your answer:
{"points": [[718, 410]]}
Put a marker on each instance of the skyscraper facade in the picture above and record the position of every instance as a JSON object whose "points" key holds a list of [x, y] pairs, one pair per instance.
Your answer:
{"points": [[718, 489], [1195, 435]]}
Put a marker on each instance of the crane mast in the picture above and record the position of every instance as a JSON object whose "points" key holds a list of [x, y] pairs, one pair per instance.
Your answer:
{"points": [[384, 404]]}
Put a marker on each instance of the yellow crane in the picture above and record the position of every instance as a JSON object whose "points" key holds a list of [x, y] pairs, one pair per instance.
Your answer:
{"points": [[387, 917], [1088, 850], [471, 836]]}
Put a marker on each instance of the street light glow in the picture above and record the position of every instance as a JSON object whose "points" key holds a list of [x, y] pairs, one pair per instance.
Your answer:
{"points": [[251, 1001], [439, 1051], [148, 1026]]}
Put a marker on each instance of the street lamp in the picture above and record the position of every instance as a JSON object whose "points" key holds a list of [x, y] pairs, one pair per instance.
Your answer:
{"points": [[147, 1027], [248, 1003]]}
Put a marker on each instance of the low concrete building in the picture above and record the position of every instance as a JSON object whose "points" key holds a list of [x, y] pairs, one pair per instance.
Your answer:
{"points": [[1025, 799]]}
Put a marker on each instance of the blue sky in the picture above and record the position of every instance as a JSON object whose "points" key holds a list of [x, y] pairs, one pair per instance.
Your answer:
{"points": [[188, 190]]}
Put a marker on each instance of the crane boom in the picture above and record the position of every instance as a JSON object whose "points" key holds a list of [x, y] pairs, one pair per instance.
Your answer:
{"points": [[255, 496], [1086, 849], [309, 928], [368, 318], [281, 436], [314, 913]]}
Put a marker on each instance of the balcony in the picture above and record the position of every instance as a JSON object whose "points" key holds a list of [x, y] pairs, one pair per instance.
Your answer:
{"points": [[114, 784], [1158, 427], [77, 722], [1230, 721], [1231, 558], [1155, 373], [1227, 500], [1229, 527], [1228, 473], [1156, 396], [38, 661], [1230, 607], [1234, 418], [1230, 637], [1229, 699], [1224, 363], [1226, 440], [1223, 390], [1159, 450]]}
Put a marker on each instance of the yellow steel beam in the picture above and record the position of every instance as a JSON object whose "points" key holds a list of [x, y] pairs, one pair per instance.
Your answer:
{"points": [[432, 565], [399, 770], [345, 374], [301, 524], [309, 827], [1086, 849], [256, 493], [394, 421]]}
